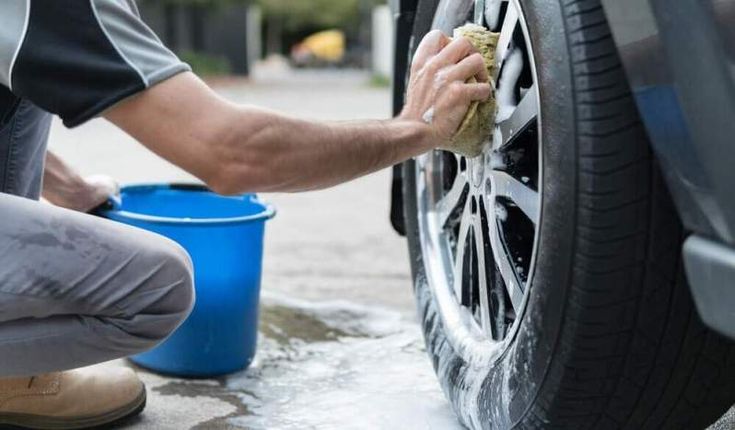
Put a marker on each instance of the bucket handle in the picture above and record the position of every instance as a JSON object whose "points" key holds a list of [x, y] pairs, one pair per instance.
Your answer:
{"points": [[189, 187], [112, 203]]}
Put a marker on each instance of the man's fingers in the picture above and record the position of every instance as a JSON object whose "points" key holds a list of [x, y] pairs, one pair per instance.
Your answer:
{"points": [[479, 92], [453, 53], [471, 67], [431, 45]]}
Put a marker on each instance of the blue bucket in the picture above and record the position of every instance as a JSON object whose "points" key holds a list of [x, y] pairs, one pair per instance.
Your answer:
{"points": [[224, 236]]}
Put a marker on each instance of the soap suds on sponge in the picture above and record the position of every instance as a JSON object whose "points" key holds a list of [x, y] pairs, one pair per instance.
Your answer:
{"points": [[480, 118]]}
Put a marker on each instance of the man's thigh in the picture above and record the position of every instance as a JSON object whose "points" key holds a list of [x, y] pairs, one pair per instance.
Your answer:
{"points": [[55, 262]]}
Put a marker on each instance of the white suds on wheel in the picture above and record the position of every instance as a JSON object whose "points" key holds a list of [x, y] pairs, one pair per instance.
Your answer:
{"points": [[505, 95], [497, 161], [500, 212]]}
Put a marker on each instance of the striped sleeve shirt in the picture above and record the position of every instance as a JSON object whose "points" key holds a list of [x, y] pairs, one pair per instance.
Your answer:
{"points": [[76, 58]]}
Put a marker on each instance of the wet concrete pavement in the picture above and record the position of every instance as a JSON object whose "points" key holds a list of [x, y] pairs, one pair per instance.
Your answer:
{"points": [[339, 347]]}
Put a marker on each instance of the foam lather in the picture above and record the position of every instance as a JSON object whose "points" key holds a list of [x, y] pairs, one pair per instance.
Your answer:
{"points": [[479, 121]]}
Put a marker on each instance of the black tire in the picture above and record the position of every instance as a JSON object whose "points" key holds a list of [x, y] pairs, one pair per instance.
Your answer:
{"points": [[610, 337]]}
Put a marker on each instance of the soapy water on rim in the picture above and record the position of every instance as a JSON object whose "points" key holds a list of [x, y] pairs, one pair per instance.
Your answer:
{"points": [[477, 359], [501, 212], [497, 161], [505, 94], [492, 13], [373, 374]]}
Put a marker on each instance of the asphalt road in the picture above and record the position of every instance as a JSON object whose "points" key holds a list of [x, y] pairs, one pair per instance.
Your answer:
{"points": [[339, 345]]}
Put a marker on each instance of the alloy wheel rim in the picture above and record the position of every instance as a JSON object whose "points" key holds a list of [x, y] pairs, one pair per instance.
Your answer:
{"points": [[479, 218]]}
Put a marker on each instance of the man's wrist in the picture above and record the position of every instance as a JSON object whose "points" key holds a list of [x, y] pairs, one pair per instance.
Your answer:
{"points": [[417, 136], [85, 196], [74, 195]]}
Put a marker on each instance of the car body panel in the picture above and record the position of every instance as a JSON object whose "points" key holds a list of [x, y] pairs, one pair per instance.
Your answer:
{"points": [[680, 64], [679, 57]]}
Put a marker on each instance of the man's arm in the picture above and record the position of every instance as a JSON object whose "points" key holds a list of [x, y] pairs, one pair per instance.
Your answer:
{"points": [[64, 187], [236, 149]]}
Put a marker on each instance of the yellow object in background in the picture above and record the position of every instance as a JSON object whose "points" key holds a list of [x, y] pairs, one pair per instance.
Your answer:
{"points": [[326, 45]]}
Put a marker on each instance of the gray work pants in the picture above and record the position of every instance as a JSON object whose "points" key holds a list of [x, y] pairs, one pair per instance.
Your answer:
{"points": [[75, 290]]}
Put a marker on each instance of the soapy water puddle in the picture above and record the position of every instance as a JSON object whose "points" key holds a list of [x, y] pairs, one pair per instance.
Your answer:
{"points": [[328, 365], [320, 365]]}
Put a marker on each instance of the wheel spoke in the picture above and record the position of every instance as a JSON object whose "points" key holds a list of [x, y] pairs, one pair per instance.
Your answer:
{"points": [[492, 13], [519, 193], [524, 115], [463, 239], [448, 204], [505, 94], [506, 37], [421, 161], [512, 281], [481, 239]]}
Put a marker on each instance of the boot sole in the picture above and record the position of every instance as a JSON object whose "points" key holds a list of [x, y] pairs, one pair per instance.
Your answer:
{"points": [[106, 421]]}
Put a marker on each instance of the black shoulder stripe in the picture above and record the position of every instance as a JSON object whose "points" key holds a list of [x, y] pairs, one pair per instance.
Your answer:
{"points": [[67, 65]]}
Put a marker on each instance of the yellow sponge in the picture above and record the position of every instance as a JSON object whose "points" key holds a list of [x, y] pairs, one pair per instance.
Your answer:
{"points": [[478, 124]]}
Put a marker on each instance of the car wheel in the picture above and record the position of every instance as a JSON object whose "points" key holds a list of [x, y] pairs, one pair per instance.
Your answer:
{"points": [[547, 270]]}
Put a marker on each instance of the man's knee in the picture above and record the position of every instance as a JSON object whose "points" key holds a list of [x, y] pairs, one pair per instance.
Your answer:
{"points": [[178, 272], [171, 291]]}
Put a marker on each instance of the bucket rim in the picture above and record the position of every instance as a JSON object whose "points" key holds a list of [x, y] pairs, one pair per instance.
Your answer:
{"points": [[114, 211]]}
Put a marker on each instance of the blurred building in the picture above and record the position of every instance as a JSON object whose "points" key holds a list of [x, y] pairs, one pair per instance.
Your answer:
{"points": [[383, 35], [228, 33]]}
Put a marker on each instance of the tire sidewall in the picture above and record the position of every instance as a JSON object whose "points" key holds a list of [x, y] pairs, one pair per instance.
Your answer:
{"points": [[507, 391]]}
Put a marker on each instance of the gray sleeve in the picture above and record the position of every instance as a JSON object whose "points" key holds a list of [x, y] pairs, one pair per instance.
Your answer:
{"points": [[13, 26], [76, 58], [135, 41]]}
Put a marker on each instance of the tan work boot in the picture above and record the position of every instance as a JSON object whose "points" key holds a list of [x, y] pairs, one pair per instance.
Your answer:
{"points": [[72, 400]]}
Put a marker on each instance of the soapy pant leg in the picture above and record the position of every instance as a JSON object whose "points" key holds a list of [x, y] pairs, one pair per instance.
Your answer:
{"points": [[76, 290]]}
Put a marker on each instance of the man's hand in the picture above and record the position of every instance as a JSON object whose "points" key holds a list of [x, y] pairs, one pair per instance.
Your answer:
{"points": [[441, 88], [97, 190], [63, 187]]}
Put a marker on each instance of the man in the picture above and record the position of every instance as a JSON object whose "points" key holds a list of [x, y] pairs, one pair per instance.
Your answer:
{"points": [[76, 290]]}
